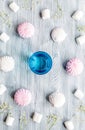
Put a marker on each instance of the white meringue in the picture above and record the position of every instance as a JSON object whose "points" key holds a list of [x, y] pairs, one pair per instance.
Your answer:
{"points": [[7, 63], [57, 99], [58, 35]]}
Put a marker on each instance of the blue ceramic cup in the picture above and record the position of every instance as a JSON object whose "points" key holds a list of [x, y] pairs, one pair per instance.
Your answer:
{"points": [[40, 62]]}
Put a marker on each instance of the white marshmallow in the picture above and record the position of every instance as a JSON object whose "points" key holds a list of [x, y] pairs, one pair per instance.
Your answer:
{"points": [[58, 35], [77, 15], [45, 14], [4, 37], [79, 94], [37, 117], [14, 7], [57, 99], [69, 125], [9, 120], [7, 63], [80, 40], [2, 89]]}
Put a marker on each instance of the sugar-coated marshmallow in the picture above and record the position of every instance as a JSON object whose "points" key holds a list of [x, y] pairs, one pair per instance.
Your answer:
{"points": [[7, 63], [79, 94], [37, 117], [14, 7], [9, 120], [77, 15], [57, 99], [2, 89], [58, 35], [69, 125], [45, 14], [4, 37], [80, 40]]}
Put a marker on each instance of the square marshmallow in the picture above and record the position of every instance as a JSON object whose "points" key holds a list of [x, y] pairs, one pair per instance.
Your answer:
{"points": [[80, 40], [79, 94], [37, 117], [9, 120], [69, 125], [45, 14], [4, 37], [2, 89], [14, 7], [77, 15]]}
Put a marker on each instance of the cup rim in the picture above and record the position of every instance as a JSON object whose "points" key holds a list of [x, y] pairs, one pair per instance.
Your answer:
{"points": [[48, 58]]}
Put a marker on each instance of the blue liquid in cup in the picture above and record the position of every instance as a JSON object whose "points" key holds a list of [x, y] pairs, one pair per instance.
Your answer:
{"points": [[40, 62]]}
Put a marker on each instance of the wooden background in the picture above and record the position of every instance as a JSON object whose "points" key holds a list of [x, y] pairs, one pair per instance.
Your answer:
{"points": [[57, 78]]}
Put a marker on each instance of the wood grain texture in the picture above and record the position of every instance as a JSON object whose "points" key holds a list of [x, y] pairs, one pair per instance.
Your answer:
{"points": [[42, 86]]}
